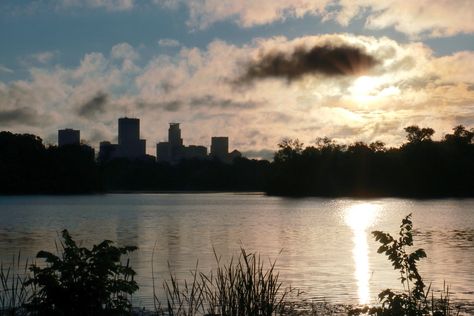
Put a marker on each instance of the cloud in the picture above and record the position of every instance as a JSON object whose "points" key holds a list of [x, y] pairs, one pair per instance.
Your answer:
{"points": [[169, 106], [20, 116], [248, 13], [212, 101], [407, 85], [40, 58], [124, 51], [168, 42], [325, 60], [110, 5], [424, 17], [415, 18], [4, 69], [94, 106]]}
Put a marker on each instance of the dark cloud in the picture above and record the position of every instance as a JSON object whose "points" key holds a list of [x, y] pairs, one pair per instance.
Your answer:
{"points": [[169, 106], [167, 86], [325, 60], [172, 106], [202, 102], [21, 115], [94, 106], [211, 101]]}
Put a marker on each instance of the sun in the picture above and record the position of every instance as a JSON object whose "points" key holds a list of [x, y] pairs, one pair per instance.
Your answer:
{"points": [[368, 89], [365, 84]]}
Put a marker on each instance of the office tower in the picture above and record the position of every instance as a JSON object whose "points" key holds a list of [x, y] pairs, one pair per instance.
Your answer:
{"points": [[69, 136], [128, 130], [174, 135], [129, 143], [220, 147], [175, 142]]}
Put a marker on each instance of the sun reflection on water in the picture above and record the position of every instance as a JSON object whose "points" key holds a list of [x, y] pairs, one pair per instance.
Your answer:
{"points": [[359, 217]]}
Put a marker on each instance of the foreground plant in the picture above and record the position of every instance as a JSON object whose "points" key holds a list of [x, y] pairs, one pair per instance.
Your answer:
{"points": [[79, 281], [242, 287], [14, 292], [414, 300]]}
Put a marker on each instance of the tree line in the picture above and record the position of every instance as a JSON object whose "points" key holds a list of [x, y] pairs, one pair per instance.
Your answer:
{"points": [[421, 167]]}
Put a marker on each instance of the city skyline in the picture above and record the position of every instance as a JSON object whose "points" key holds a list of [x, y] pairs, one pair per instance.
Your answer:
{"points": [[350, 70], [130, 145]]}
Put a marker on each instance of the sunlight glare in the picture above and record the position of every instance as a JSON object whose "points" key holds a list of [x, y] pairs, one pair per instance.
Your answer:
{"points": [[364, 85], [360, 217], [367, 89]]}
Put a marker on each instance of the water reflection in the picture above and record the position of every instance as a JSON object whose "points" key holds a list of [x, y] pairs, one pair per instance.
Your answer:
{"points": [[359, 217]]}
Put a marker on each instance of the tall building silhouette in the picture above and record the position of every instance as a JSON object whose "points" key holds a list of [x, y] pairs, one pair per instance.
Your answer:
{"points": [[175, 142], [69, 136], [128, 130], [174, 135], [220, 147], [220, 150], [129, 143]]}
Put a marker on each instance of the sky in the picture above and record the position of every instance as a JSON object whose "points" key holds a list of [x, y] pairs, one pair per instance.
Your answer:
{"points": [[256, 71]]}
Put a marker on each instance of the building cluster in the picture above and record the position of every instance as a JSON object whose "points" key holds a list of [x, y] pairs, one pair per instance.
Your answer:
{"points": [[173, 150], [130, 145]]}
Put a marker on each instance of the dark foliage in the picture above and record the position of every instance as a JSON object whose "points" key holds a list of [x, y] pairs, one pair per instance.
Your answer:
{"points": [[28, 167], [80, 281], [191, 175], [414, 300], [419, 168]]}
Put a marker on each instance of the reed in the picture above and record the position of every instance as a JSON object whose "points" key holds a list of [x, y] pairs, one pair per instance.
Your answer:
{"points": [[243, 286], [14, 293]]}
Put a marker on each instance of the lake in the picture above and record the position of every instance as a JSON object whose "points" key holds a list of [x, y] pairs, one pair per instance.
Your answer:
{"points": [[322, 246]]}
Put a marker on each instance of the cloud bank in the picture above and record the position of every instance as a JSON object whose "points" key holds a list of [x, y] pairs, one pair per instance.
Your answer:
{"points": [[426, 18], [404, 84]]}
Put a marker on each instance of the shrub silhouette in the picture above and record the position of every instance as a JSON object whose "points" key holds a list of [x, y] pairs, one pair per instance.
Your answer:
{"points": [[80, 281], [414, 300]]}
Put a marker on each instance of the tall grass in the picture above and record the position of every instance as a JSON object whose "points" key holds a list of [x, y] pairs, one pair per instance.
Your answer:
{"points": [[14, 293], [242, 287]]}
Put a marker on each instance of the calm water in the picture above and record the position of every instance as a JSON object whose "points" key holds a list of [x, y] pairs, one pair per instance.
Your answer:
{"points": [[322, 246]]}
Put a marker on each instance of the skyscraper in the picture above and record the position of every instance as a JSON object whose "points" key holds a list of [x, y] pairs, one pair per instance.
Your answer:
{"points": [[174, 135], [69, 136], [175, 142], [129, 143], [128, 130], [220, 147]]}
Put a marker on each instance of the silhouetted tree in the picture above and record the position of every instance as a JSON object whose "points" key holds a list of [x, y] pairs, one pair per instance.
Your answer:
{"points": [[461, 135], [288, 149], [417, 135]]}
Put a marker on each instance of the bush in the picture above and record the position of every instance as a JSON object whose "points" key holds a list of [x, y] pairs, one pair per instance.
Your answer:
{"points": [[414, 301], [80, 281]]}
